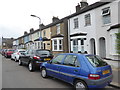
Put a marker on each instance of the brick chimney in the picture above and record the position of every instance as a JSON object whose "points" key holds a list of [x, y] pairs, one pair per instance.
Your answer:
{"points": [[83, 4], [54, 19], [31, 30], [42, 25], [78, 7], [25, 32]]}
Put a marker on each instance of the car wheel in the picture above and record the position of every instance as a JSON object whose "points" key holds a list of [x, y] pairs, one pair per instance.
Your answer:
{"points": [[44, 73], [31, 67], [20, 62], [80, 85], [15, 59]]}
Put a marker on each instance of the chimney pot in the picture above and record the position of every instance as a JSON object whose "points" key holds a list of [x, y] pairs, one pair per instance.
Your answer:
{"points": [[78, 7], [54, 19], [83, 4]]}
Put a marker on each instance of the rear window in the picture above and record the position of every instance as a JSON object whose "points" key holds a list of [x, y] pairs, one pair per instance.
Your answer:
{"points": [[21, 51], [43, 52], [10, 50], [96, 61]]}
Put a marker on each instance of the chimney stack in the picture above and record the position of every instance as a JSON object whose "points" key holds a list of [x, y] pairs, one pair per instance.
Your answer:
{"points": [[31, 30], [42, 25], [25, 32], [54, 19], [83, 4], [78, 7]]}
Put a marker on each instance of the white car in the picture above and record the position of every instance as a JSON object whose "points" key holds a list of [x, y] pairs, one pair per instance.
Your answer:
{"points": [[15, 56]]}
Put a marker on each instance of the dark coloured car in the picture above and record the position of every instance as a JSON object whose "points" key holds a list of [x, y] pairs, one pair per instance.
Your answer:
{"points": [[82, 71], [33, 58], [8, 52]]}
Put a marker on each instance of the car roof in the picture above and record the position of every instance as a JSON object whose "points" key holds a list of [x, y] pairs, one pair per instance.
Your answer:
{"points": [[75, 54]]}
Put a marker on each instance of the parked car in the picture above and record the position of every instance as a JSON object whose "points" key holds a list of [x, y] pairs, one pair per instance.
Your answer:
{"points": [[82, 71], [8, 53], [17, 53], [33, 58], [3, 52]]}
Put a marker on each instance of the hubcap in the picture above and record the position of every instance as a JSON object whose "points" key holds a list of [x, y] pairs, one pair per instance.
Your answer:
{"points": [[30, 66], [80, 85], [43, 73]]}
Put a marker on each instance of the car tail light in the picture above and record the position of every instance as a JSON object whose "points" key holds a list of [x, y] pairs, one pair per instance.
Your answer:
{"points": [[36, 57], [94, 76]]}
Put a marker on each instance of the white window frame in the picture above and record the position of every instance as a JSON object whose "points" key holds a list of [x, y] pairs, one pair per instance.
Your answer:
{"points": [[87, 19], [76, 23], [106, 15], [58, 28], [58, 44]]}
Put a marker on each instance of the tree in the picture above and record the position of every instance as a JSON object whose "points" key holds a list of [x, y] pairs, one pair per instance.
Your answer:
{"points": [[118, 42]]}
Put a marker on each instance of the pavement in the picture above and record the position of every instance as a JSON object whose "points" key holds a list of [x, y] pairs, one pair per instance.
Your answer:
{"points": [[116, 72]]}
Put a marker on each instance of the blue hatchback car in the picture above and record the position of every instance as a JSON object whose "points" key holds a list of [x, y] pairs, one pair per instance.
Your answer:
{"points": [[82, 71]]}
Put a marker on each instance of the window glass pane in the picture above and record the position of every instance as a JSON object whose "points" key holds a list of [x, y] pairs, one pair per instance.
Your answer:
{"points": [[96, 61], [106, 19], [106, 15], [75, 42], [55, 44], [43, 52], [76, 23], [58, 59], [60, 45], [70, 60], [87, 20], [55, 41], [58, 28], [82, 42]]}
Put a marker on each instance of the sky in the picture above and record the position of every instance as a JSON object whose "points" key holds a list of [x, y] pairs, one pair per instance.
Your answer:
{"points": [[15, 14]]}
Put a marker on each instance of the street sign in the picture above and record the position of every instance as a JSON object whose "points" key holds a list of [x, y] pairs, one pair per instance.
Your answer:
{"points": [[40, 39]]}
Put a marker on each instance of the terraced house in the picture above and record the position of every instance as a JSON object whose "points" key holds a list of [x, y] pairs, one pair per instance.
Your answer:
{"points": [[90, 28], [59, 35]]}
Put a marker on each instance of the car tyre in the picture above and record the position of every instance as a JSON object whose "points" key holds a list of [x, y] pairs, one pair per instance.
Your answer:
{"points": [[31, 66], [44, 73], [15, 59], [79, 84], [20, 62]]}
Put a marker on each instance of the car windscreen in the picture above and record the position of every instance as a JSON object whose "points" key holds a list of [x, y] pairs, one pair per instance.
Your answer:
{"points": [[43, 52], [96, 61]]}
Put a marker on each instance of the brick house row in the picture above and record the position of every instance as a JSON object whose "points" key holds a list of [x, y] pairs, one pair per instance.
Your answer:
{"points": [[91, 29]]}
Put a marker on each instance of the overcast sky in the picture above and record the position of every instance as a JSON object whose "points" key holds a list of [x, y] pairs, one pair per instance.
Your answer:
{"points": [[15, 14]]}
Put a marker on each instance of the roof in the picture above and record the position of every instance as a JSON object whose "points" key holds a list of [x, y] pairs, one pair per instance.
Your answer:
{"points": [[88, 8], [114, 27]]}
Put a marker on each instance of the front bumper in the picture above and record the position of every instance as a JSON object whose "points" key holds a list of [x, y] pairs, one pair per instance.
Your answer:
{"points": [[101, 83]]}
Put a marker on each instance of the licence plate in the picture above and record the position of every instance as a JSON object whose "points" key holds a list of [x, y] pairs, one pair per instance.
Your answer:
{"points": [[106, 72], [47, 59]]}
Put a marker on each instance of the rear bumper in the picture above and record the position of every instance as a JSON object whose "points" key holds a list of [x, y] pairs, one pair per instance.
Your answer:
{"points": [[37, 63], [101, 83]]}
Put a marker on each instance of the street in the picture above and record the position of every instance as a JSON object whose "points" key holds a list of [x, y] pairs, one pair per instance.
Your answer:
{"points": [[15, 76]]}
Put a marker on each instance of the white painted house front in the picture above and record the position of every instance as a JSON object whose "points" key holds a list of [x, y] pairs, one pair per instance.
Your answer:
{"points": [[89, 29]]}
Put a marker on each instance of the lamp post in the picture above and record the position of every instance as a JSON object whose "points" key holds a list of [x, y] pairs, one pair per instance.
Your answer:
{"points": [[39, 29]]}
